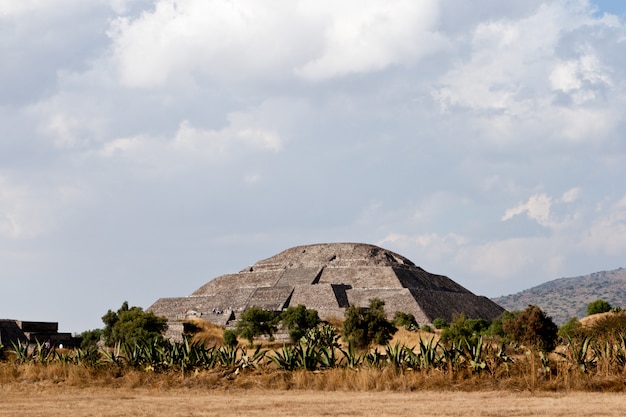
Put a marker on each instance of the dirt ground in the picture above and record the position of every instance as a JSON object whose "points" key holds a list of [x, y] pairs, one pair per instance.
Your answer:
{"points": [[52, 401]]}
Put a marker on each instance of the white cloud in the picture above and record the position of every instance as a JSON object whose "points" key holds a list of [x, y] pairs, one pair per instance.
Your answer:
{"points": [[227, 140], [427, 126], [29, 211], [504, 56], [217, 38], [501, 258], [607, 233], [433, 205], [534, 79], [580, 76], [543, 209], [124, 146], [571, 195], [431, 246], [366, 36], [252, 178], [249, 40], [190, 143], [10, 8], [537, 208]]}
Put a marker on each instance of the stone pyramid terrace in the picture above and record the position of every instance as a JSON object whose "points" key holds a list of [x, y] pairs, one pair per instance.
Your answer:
{"points": [[328, 278]]}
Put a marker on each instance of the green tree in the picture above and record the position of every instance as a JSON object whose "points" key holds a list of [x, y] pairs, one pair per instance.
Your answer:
{"points": [[532, 328], [298, 320], [495, 328], [255, 322], [90, 338], [364, 326], [598, 306], [131, 325]]}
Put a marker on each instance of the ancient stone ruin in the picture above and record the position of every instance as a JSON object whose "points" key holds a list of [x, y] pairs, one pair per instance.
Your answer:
{"points": [[327, 278], [33, 332]]}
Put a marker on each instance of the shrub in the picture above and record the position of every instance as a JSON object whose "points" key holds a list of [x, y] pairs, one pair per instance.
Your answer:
{"points": [[463, 328], [230, 338], [598, 306], [299, 320], [364, 326], [572, 328], [427, 328], [405, 320], [532, 328], [440, 323]]}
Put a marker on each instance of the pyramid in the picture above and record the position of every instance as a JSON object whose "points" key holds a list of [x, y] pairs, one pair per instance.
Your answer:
{"points": [[328, 278]]}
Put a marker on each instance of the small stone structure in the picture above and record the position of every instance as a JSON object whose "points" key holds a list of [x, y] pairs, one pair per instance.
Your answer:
{"points": [[328, 278], [33, 332]]}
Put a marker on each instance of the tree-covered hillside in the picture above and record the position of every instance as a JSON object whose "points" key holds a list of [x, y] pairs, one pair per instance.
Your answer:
{"points": [[568, 297]]}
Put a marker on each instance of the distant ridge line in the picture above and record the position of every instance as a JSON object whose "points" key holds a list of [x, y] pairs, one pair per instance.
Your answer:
{"points": [[567, 297]]}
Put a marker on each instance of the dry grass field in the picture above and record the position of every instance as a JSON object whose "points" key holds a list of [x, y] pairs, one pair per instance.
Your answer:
{"points": [[57, 401], [527, 384]]}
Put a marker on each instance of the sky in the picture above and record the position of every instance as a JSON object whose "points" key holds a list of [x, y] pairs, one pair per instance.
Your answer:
{"points": [[147, 147]]}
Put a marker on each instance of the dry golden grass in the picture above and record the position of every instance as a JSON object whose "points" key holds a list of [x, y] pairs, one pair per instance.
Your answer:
{"points": [[409, 338], [207, 333], [54, 401], [589, 321], [518, 378], [63, 389]]}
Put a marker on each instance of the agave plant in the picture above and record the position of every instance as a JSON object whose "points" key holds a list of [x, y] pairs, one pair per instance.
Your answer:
{"points": [[66, 357], [300, 356], [375, 359], [286, 358], [324, 335], [20, 351], [473, 353], [580, 353], [133, 354], [228, 356], [620, 352], [327, 357], [325, 342], [428, 355], [115, 355], [497, 357], [352, 358], [451, 357], [398, 355], [89, 357], [42, 354], [250, 361]]}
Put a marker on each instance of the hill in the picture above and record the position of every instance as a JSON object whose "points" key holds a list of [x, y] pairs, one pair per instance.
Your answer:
{"points": [[568, 297]]}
